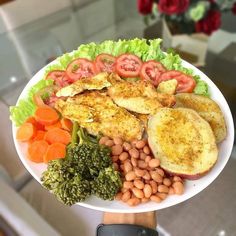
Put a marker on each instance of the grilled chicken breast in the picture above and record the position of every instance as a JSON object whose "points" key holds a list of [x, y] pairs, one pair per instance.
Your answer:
{"points": [[140, 97], [97, 82], [207, 109], [183, 141], [100, 115]]}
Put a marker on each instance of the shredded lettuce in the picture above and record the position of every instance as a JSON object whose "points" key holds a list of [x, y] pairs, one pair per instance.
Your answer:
{"points": [[145, 49], [26, 106]]}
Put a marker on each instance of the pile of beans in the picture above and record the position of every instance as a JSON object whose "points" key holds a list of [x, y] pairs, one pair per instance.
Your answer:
{"points": [[143, 179]]}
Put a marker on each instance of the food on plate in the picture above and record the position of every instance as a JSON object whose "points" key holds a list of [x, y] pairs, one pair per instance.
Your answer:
{"points": [[167, 87], [140, 97], [144, 180], [104, 116], [186, 83], [73, 178], [105, 62], [25, 132], [128, 65], [80, 68], [46, 115], [151, 71], [37, 150], [90, 116], [183, 141], [96, 82], [207, 109]]}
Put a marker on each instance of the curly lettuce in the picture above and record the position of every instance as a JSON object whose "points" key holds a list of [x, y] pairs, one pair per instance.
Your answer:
{"points": [[145, 49]]}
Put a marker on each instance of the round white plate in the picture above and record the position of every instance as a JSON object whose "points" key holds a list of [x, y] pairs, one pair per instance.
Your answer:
{"points": [[191, 188]]}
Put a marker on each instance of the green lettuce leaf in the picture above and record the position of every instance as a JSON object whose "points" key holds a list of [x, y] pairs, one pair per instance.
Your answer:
{"points": [[26, 106]]}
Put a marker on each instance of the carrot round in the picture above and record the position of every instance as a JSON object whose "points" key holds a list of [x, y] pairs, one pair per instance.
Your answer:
{"points": [[55, 151], [36, 124], [56, 125], [39, 135], [46, 115], [66, 124], [57, 135], [25, 132], [37, 150]]}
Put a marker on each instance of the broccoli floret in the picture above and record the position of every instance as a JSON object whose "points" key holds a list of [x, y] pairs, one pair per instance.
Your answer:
{"points": [[87, 164], [90, 159], [62, 178], [107, 184], [73, 191]]}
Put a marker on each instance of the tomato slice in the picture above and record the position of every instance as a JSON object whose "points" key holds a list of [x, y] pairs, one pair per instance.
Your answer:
{"points": [[151, 71], [59, 77], [80, 68], [186, 83], [105, 62], [128, 65]]}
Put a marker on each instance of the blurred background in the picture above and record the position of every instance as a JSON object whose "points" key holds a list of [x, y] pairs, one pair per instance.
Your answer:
{"points": [[33, 33]]}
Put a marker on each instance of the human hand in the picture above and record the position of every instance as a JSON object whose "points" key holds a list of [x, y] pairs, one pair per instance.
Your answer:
{"points": [[146, 219]]}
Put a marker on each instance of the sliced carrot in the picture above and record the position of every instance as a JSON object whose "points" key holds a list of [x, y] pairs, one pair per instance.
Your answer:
{"points": [[55, 151], [56, 125], [46, 115], [25, 132], [37, 150], [66, 124], [57, 135], [39, 135], [36, 124]]}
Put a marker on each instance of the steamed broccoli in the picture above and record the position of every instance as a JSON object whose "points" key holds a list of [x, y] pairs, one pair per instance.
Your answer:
{"points": [[87, 168], [65, 182], [107, 184]]}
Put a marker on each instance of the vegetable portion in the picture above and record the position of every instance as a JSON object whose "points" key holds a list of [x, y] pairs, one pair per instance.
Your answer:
{"points": [[151, 71], [37, 150], [46, 115], [105, 63], [128, 65], [54, 151], [80, 68], [87, 168], [25, 132]]}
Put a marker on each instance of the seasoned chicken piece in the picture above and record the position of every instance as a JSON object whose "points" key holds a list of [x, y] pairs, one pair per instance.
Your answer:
{"points": [[106, 117], [143, 118], [140, 97], [97, 82]]}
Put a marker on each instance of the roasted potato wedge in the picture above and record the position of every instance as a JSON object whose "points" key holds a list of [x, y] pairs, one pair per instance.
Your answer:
{"points": [[207, 109]]}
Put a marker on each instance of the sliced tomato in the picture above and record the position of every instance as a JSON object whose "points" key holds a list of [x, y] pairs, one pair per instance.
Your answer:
{"points": [[80, 68], [59, 77], [105, 62], [128, 65], [186, 83], [151, 71]]}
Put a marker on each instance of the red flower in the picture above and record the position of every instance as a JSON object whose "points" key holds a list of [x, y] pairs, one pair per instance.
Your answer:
{"points": [[210, 23], [145, 6], [234, 9], [170, 7]]}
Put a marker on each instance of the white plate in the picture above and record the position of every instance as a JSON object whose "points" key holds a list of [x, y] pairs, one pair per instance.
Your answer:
{"points": [[191, 188]]}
